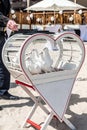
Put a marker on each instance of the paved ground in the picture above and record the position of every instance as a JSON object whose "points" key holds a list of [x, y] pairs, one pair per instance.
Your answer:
{"points": [[14, 112]]}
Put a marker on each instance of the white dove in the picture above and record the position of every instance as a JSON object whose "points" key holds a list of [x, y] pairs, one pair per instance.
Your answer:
{"points": [[34, 68], [27, 62], [47, 56], [32, 63], [46, 61], [27, 59], [15, 60], [41, 61], [34, 55]]}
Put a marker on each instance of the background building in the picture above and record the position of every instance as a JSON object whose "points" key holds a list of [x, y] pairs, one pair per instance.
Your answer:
{"points": [[22, 4], [81, 2], [42, 18]]}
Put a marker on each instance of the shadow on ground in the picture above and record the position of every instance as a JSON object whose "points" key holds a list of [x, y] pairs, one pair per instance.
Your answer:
{"points": [[79, 121]]}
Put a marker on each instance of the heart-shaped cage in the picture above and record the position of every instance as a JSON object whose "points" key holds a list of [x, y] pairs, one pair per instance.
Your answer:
{"points": [[50, 63]]}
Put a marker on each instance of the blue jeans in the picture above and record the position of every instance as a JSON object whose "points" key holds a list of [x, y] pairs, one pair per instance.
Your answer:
{"points": [[4, 73]]}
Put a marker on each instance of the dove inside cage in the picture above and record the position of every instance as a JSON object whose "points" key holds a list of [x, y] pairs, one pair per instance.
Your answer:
{"points": [[43, 55]]}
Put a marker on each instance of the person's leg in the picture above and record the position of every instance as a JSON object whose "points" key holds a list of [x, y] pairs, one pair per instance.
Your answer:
{"points": [[4, 79], [4, 76], [1, 108]]}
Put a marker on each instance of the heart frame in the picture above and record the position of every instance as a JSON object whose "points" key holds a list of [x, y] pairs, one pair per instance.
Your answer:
{"points": [[54, 87]]}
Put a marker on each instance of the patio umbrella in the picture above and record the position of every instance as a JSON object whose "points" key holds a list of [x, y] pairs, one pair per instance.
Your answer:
{"points": [[51, 5]]}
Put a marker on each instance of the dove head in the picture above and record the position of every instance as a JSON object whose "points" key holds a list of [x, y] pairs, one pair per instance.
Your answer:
{"points": [[34, 52], [45, 49], [41, 55], [27, 56]]}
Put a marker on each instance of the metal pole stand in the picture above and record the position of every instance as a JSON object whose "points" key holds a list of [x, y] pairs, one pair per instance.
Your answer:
{"points": [[37, 102]]}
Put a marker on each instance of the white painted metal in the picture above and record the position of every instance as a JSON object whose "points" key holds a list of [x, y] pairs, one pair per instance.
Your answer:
{"points": [[67, 53], [37, 102]]}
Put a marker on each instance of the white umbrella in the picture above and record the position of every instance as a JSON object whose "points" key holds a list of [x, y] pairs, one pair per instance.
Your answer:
{"points": [[51, 5]]}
